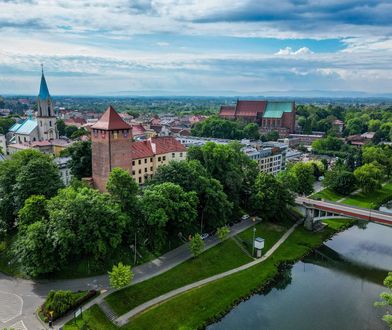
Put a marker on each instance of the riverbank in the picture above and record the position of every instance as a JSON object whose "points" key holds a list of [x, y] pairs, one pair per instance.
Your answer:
{"points": [[201, 306]]}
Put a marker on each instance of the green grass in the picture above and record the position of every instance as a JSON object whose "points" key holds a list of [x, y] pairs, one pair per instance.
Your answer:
{"points": [[93, 318], [195, 308], [269, 231], [218, 259], [328, 195], [372, 200]]}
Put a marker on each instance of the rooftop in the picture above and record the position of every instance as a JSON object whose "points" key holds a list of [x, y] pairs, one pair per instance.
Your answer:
{"points": [[276, 109], [111, 120]]}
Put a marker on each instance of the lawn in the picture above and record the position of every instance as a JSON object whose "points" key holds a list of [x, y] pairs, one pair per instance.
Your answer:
{"points": [[328, 195], [271, 233], [195, 308], [93, 318], [218, 259], [372, 200]]}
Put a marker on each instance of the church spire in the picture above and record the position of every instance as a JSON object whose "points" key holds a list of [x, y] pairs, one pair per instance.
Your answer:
{"points": [[43, 89]]}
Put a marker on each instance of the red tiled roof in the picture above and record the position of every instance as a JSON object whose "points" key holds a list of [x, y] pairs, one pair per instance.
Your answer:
{"points": [[75, 121], [110, 120], [227, 110], [141, 149], [165, 144], [138, 130], [250, 108]]}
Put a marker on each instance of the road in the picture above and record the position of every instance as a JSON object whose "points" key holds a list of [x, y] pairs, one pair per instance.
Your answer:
{"points": [[19, 298]]}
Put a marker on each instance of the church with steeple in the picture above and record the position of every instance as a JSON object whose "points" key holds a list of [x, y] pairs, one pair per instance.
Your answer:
{"points": [[41, 128]]}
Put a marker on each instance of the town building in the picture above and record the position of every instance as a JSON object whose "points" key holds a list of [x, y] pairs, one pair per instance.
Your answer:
{"points": [[270, 156], [269, 115], [148, 155], [64, 168]]}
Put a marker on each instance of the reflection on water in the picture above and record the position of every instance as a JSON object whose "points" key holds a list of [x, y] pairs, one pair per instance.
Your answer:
{"points": [[333, 288]]}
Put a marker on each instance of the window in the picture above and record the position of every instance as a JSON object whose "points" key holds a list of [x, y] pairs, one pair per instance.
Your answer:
{"points": [[50, 123], [140, 161], [25, 140], [140, 171], [133, 172], [140, 180], [159, 159], [173, 155], [151, 159], [145, 160], [145, 170], [164, 158], [180, 154], [133, 163], [40, 122], [151, 168]]}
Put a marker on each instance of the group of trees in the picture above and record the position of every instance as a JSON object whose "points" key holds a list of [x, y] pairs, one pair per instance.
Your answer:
{"points": [[70, 131], [366, 169], [59, 225], [216, 127]]}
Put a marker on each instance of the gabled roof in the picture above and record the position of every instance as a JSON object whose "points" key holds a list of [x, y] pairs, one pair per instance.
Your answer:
{"points": [[138, 129], [250, 108], [276, 109], [141, 149], [43, 89], [26, 127], [226, 110], [156, 146], [110, 120]]}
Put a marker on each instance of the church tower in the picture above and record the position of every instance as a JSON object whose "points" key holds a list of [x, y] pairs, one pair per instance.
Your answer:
{"points": [[46, 118], [111, 146]]}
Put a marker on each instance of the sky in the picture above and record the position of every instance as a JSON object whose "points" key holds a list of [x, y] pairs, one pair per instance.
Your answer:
{"points": [[195, 47]]}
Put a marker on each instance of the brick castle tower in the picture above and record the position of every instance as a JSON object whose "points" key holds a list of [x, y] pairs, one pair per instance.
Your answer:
{"points": [[111, 140]]}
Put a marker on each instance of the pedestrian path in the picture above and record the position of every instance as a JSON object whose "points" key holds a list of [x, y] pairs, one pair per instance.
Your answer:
{"points": [[123, 319]]}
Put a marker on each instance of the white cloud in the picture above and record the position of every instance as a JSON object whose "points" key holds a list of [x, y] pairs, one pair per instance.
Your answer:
{"points": [[289, 51]]}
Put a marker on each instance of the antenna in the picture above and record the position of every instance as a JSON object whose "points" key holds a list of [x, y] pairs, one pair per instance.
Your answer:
{"points": [[42, 68]]}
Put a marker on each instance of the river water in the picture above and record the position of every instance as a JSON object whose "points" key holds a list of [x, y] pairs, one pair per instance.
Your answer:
{"points": [[332, 289]]}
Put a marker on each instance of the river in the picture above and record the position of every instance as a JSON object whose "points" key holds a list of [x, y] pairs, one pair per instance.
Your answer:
{"points": [[334, 288]]}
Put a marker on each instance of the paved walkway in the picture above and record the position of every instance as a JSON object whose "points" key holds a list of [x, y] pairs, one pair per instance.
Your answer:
{"points": [[123, 319], [155, 267]]}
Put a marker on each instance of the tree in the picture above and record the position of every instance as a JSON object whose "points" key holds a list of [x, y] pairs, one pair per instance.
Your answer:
{"points": [[69, 130], [34, 209], [61, 127], [251, 131], [196, 245], [369, 177], [340, 180], [35, 251], [288, 179], [271, 197], [80, 163], [28, 172], [214, 208], [85, 222], [59, 301], [304, 173], [223, 232], [387, 299], [231, 167], [330, 143], [382, 156], [168, 210], [120, 276]]}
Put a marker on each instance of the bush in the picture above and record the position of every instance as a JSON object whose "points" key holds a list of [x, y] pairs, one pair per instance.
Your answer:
{"points": [[196, 245]]}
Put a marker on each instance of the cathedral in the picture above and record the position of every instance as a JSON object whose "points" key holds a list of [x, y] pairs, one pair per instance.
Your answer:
{"points": [[43, 126]]}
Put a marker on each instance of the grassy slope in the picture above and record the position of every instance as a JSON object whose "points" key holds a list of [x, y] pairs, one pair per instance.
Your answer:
{"points": [[225, 256], [222, 257], [327, 194], [372, 200], [93, 318], [193, 309]]}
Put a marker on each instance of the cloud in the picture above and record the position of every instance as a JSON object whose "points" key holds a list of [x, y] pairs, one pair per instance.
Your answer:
{"points": [[163, 44], [290, 51]]}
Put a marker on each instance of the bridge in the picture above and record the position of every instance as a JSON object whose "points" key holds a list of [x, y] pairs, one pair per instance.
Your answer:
{"points": [[318, 210]]}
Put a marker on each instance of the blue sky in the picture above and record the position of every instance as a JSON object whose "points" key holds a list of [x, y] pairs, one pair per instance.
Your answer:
{"points": [[195, 47]]}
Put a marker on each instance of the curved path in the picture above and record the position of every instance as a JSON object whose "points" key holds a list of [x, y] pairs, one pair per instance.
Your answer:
{"points": [[23, 297], [123, 319]]}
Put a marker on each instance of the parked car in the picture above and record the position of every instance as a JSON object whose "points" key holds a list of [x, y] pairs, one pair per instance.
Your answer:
{"points": [[204, 236], [245, 217]]}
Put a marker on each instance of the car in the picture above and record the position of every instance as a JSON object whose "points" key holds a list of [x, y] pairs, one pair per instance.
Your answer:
{"points": [[245, 217], [204, 236]]}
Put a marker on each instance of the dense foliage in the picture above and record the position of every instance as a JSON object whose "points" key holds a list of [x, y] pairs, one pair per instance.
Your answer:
{"points": [[387, 300], [120, 276], [80, 163]]}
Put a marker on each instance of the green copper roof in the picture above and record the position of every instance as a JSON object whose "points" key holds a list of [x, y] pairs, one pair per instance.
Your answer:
{"points": [[43, 89], [276, 109]]}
